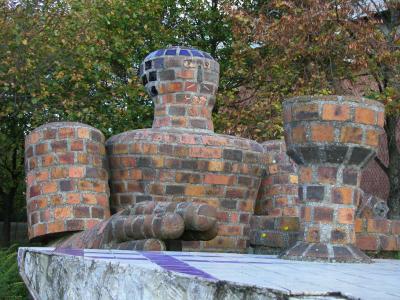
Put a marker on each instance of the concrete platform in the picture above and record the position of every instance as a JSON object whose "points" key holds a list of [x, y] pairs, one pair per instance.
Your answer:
{"points": [[117, 274]]}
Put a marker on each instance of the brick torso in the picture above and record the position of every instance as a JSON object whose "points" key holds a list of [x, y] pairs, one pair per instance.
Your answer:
{"points": [[220, 170]]}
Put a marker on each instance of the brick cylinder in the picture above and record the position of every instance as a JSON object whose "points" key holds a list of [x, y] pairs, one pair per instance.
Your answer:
{"points": [[331, 138], [67, 187], [181, 159]]}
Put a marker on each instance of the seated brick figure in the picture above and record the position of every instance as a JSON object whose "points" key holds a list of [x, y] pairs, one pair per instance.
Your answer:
{"points": [[181, 159], [67, 198]]}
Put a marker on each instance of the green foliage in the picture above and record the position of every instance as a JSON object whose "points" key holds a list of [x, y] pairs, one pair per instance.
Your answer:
{"points": [[11, 284]]}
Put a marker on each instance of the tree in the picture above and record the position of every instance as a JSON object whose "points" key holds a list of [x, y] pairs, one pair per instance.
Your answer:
{"points": [[314, 47]]}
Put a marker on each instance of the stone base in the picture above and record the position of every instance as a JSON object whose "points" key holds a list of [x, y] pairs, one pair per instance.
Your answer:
{"points": [[326, 253]]}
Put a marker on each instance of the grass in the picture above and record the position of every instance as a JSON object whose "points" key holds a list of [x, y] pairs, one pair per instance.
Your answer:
{"points": [[11, 284]]}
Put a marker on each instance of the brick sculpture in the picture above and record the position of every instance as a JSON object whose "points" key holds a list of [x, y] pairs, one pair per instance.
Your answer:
{"points": [[331, 138], [67, 186], [181, 159], [148, 226], [275, 223], [68, 205]]}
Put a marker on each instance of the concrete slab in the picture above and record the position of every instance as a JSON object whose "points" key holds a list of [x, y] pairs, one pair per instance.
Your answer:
{"points": [[117, 274]]}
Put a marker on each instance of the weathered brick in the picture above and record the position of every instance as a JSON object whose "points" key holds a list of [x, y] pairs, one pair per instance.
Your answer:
{"points": [[327, 174], [378, 226], [315, 193], [202, 152], [364, 115], [351, 134], [49, 187], [306, 112], [76, 172], [372, 138], [345, 215], [230, 154], [367, 242], [66, 132], [62, 213], [342, 195], [322, 133], [194, 190], [299, 134], [219, 179], [334, 112], [323, 214]]}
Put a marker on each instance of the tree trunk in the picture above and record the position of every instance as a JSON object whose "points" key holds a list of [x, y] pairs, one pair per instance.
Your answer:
{"points": [[7, 206], [393, 168]]}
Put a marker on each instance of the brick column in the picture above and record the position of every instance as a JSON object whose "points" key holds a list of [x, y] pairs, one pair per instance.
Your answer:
{"points": [[67, 186], [331, 138]]}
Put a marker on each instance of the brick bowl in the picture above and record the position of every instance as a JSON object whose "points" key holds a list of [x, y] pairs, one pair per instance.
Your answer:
{"points": [[332, 129], [66, 178], [331, 138], [173, 165]]}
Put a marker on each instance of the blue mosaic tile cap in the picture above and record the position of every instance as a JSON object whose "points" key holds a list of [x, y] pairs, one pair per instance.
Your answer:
{"points": [[178, 51]]}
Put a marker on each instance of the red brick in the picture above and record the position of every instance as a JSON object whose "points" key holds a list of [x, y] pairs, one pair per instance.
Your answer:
{"points": [[378, 226], [365, 116], [77, 146], [333, 112], [66, 133], [47, 160], [41, 149], [367, 242], [67, 158], [202, 152], [327, 174], [381, 119], [345, 215], [191, 87], [351, 135], [323, 214], [395, 229], [63, 213], [322, 133], [372, 138], [299, 134], [388, 243], [57, 226], [39, 229], [83, 133], [76, 172], [50, 187], [359, 225], [228, 230], [219, 179], [173, 87], [342, 195], [73, 198]]}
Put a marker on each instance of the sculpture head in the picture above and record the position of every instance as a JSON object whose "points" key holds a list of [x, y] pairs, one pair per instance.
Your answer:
{"points": [[182, 83]]}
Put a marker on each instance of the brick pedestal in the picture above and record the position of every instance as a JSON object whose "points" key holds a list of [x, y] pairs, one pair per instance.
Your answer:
{"points": [[181, 158], [67, 186], [331, 138]]}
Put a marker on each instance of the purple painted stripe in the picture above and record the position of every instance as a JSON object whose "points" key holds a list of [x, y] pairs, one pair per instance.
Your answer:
{"points": [[116, 257], [69, 251], [170, 263], [229, 261]]}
